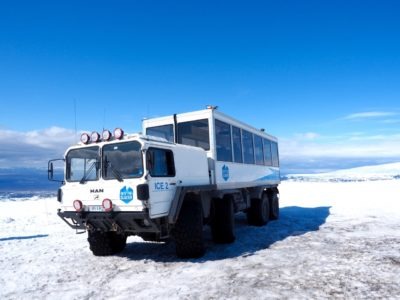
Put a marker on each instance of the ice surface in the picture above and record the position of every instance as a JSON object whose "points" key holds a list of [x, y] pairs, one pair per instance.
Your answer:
{"points": [[333, 240], [367, 173]]}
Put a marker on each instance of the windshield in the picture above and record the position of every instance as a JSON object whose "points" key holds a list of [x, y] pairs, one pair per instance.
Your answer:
{"points": [[83, 164], [122, 160]]}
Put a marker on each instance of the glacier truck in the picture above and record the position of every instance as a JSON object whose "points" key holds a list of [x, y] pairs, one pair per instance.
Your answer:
{"points": [[186, 171]]}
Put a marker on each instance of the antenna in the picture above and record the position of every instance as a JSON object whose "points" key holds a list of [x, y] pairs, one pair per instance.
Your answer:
{"points": [[104, 119], [75, 120]]}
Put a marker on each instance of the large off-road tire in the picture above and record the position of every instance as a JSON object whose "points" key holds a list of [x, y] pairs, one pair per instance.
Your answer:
{"points": [[223, 222], [188, 231], [258, 213], [106, 243], [118, 241], [274, 205]]}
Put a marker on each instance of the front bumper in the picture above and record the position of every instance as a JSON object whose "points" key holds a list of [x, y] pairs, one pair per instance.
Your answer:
{"points": [[127, 222]]}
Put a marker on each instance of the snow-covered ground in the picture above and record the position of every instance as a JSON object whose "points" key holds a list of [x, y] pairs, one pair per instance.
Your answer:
{"points": [[333, 240], [366, 173]]}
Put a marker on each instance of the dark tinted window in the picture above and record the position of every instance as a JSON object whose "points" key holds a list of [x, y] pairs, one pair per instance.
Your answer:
{"points": [[258, 147], [194, 133], [237, 144], [275, 154], [223, 140], [122, 160], [248, 149], [164, 131], [267, 153], [160, 162]]}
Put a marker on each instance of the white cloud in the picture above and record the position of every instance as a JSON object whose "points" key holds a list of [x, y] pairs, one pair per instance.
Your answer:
{"points": [[347, 146], [369, 115], [33, 148], [327, 153], [308, 135], [47, 138], [391, 121]]}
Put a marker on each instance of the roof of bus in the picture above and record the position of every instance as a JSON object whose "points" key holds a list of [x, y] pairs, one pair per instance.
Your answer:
{"points": [[205, 113]]}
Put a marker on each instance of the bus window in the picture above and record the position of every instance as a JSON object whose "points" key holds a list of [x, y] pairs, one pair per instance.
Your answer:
{"points": [[163, 131], [267, 153], [275, 154], [160, 162], [223, 141], [248, 148], [237, 144], [258, 147], [194, 133]]}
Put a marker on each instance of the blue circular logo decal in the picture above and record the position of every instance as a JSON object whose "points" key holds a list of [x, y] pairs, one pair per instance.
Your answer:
{"points": [[225, 172], [126, 194]]}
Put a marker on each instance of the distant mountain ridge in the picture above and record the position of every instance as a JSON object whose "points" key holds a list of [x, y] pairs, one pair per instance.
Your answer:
{"points": [[25, 179], [35, 180], [367, 173]]}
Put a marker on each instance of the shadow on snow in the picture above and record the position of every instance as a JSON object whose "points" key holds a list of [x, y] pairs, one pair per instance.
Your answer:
{"points": [[293, 221], [11, 238]]}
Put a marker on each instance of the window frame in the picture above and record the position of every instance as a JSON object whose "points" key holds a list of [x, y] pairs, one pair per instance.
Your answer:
{"points": [[275, 154], [245, 139], [103, 169], [260, 152], [97, 168], [180, 137], [240, 144], [170, 129], [150, 163], [229, 148], [267, 162]]}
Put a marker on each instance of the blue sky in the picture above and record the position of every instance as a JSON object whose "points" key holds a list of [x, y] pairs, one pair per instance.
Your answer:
{"points": [[323, 76]]}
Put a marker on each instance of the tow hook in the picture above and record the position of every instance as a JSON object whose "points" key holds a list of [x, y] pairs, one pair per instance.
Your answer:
{"points": [[115, 227]]}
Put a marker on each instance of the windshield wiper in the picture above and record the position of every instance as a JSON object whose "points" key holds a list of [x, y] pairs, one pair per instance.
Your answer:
{"points": [[115, 172], [86, 175]]}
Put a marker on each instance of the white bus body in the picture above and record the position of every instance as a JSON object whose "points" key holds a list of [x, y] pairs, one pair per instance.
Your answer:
{"points": [[187, 170], [228, 171]]}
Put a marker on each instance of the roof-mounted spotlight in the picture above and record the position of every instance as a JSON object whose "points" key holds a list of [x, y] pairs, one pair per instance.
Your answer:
{"points": [[106, 135], [85, 138], [95, 137], [118, 133]]}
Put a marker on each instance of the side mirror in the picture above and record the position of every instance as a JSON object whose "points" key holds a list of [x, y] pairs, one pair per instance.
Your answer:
{"points": [[50, 171], [55, 173]]}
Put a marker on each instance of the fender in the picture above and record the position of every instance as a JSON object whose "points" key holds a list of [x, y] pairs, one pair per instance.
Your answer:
{"points": [[179, 197]]}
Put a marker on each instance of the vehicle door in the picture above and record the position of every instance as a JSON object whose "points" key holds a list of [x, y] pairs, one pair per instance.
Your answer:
{"points": [[161, 178]]}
